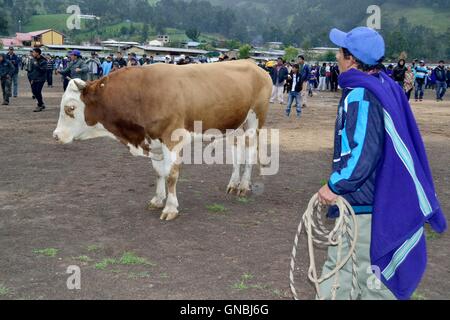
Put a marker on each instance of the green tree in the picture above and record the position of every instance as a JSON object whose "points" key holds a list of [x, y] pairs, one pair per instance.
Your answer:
{"points": [[291, 53], [193, 34], [145, 33], [244, 51]]}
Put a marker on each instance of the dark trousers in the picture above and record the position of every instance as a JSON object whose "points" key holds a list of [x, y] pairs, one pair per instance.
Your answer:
{"points": [[334, 85], [65, 83], [6, 88], [36, 88], [50, 78], [408, 94]]}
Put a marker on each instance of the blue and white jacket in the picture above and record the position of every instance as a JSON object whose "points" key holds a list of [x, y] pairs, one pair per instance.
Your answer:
{"points": [[358, 146]]}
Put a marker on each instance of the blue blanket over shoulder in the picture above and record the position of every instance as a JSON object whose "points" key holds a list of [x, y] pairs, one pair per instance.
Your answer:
{"points": [[405, 197]]}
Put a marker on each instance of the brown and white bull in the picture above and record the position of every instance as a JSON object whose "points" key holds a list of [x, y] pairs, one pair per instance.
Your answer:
{"points": [[142, 106]]}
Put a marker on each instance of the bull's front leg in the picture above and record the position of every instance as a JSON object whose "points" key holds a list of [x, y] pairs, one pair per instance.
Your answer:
{"points": [[158, 200]]}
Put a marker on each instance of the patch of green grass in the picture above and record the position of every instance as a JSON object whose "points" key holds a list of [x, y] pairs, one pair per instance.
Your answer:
{"points": [[130, 258], [241, 285], [244, 200], [49, 252], [164, 275], [46, 21], [217, 208], [4, 291], [430, 234], [82, 259], [104, 263], [93, 247], [418, 296]]}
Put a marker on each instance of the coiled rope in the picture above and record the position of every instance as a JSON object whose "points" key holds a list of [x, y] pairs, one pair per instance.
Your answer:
{"points": [[318, 234]]}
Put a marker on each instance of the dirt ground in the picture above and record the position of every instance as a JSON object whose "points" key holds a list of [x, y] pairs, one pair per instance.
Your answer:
{"points": [[84, 204]]}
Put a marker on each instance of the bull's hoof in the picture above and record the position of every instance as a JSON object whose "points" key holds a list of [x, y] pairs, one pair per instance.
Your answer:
{"points": [[169, 216], [155, 204], [243, 192], [233, 188]]}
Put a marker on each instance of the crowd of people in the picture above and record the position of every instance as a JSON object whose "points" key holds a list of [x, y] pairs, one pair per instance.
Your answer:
{"points": [[297, 79]]}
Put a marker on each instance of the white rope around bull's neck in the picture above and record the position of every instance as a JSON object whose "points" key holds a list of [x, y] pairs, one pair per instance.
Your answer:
{"points": [[317, 233]]}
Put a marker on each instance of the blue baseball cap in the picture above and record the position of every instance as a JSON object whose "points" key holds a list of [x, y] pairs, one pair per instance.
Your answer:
{"points": [[75, 53], [364, 43]]}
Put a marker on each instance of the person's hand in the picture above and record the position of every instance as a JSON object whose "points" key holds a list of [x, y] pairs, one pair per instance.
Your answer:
{"points": [[326, 196], [77, 69], [57, 72]]}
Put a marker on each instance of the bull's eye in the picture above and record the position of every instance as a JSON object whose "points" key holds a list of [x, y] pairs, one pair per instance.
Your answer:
{"points": [[69, 110]]}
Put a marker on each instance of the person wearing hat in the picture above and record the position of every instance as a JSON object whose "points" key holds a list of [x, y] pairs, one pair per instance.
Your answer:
{"points": [[15, 60], [38, 76], [77, 68], [107, 65], [380, 167], [441, 80], [421, 74]]}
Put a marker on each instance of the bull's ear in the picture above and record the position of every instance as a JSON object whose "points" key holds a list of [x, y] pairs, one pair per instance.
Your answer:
{"points": [[81, 85]]}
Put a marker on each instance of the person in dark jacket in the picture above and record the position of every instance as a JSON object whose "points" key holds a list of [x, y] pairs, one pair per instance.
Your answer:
{"points": [[448, 77], [295, 86], [399, 71], [38, 76], [15, 60], [6, 73], [334, 77], [50, 69], [279, 75], [121, 62], [441, 80]]}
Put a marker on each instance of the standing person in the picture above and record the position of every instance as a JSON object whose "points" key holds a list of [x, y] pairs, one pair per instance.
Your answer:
{"points": [[328, 76], [398, 73], [448, 77], [323, 77], [305, 72], [421, 73], [76, 68], [7, 70], [441, 80], [38, 76], [15, 60], [312, 81], [94, 67], [50, 69], [120, 60], [335, 72], [381, 169], [408, 83], [294, 84], [279, 75], [143, 60], [107, 65]]}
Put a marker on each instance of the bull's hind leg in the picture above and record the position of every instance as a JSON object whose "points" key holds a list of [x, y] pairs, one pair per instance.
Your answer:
{"points": [[250, 154], [237, 156]]}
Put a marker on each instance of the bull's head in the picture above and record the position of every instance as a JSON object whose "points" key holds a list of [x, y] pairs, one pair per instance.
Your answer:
{"points": [[72, 123]]}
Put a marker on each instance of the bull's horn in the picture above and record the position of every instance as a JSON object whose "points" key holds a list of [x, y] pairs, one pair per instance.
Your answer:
{"points": [[81, 85]]}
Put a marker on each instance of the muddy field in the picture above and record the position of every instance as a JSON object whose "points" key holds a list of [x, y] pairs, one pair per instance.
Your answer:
{"points": [[85, 204]]}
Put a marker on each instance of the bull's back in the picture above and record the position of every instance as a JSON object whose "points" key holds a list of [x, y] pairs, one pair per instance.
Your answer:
{"points": [[220, 94]]}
